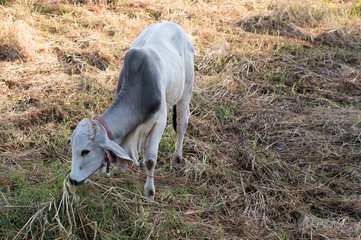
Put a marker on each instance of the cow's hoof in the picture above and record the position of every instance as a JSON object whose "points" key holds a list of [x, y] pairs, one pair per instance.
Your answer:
{"points": [[149, 194], [175, 161]]}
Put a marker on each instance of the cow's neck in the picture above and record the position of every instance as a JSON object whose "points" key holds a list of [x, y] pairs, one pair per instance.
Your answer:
{"points": [[121, 119]]}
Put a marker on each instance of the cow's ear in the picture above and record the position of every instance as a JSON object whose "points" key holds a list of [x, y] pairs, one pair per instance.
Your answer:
{"points": [[120, 158]]}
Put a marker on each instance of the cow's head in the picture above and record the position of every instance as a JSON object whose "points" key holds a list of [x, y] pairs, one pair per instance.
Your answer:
{"points": [[90, 146]]}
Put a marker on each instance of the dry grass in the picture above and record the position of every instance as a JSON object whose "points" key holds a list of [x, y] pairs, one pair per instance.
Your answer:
{"points": [[274, 141]]}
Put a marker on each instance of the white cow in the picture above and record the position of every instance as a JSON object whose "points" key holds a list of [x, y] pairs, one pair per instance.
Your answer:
{"points": [[157, 73]]}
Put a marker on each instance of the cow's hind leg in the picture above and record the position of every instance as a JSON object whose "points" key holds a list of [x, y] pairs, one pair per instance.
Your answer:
{"points": [[182, 123], [151, 152]]}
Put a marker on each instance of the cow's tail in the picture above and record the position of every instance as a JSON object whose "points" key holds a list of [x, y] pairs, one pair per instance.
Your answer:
{"points": [[175, 118]]}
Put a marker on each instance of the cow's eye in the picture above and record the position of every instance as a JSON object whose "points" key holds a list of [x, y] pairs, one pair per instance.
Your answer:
{"points": [[84, 152]]}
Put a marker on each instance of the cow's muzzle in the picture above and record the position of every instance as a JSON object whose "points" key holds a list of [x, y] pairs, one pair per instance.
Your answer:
{"points": [[75, 182]]}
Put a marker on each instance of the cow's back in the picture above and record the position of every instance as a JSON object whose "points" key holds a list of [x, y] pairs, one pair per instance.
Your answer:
{"points": [[163, 34], [175, 51]]}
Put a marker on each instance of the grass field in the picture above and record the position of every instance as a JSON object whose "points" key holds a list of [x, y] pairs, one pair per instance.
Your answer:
{"points": [[272, 150]]}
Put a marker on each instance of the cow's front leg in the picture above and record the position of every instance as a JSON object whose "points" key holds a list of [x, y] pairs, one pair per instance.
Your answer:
{"points": [[151, 153]]}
